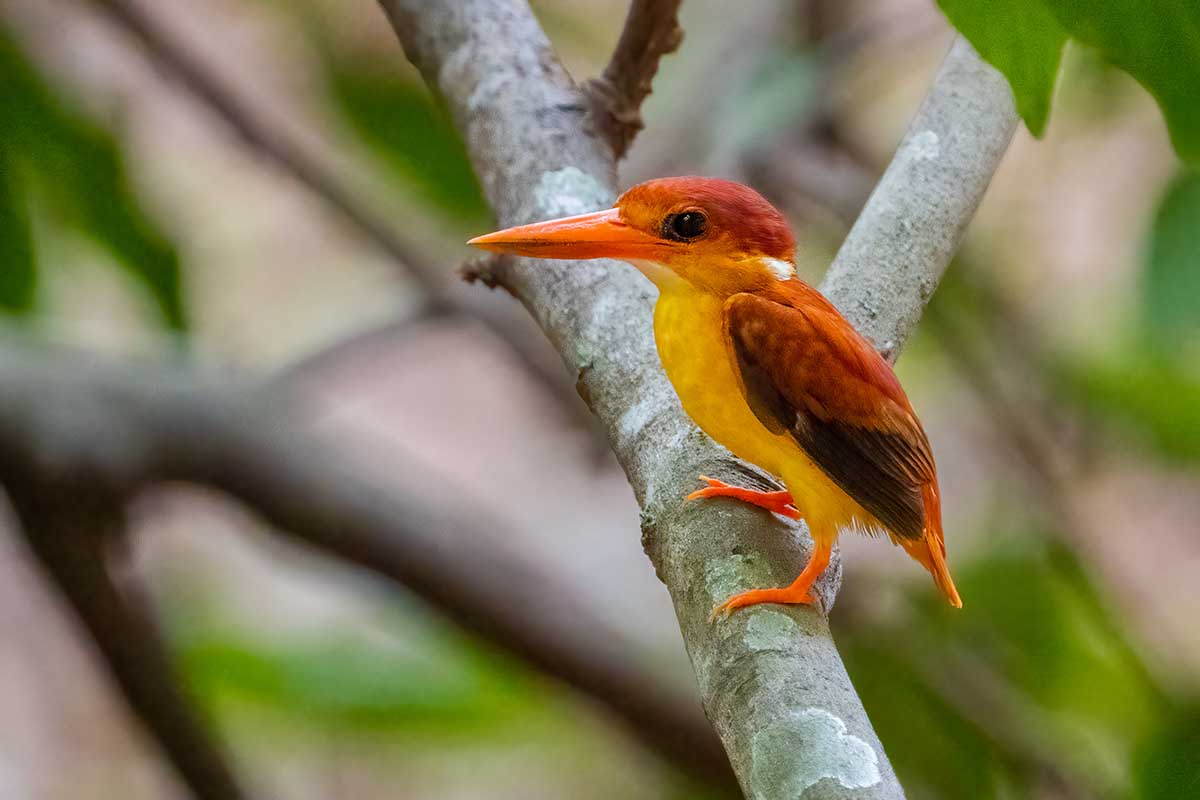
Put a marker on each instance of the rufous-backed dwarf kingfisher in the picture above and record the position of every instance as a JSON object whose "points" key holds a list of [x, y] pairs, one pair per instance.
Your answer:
{"points": [[765, 365]]}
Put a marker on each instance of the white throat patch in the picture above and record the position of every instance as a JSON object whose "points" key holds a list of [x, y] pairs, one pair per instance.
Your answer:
{"points": [[658, 274], [781, 269]]}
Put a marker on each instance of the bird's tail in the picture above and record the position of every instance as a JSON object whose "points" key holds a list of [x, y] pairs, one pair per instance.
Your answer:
{"points": [[930, 550]]}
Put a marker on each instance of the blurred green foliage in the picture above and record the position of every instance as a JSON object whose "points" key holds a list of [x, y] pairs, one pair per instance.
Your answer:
{"points": [[347, 682], [409, 135], [1168, 763], [18, 270], [780, 89], [424, 685], [1148, 384], [1155, 41], [1033, 686], [77, 168], [1141, 394], [1022, 39], [1171, 282]]}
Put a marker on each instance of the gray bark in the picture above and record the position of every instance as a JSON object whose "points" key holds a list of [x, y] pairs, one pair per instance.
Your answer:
{"points": [[772, 681], [894, 256]]}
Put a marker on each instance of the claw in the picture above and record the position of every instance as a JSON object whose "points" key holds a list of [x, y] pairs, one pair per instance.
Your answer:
{"points": [[713, 489], [799, 592], [757, 596], [777, 502]]}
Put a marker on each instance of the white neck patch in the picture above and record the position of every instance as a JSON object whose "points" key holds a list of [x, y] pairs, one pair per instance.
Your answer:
{"points": [[783, 270]]}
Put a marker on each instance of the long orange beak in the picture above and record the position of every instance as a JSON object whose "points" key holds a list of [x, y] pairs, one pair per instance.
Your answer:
{"points": [[600, 234]]}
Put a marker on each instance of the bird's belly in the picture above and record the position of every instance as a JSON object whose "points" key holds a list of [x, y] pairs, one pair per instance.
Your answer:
{"points": [[689, 334]]}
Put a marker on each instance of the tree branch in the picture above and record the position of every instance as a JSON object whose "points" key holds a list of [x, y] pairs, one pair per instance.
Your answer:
{"points": [[896, 253], [651, 32], [124, 430], [772, 681], [71, 531]]}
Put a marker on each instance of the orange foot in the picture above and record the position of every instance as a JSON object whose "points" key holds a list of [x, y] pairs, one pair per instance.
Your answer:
{"points": [[753, 597], [798, 592], [779, 502]]}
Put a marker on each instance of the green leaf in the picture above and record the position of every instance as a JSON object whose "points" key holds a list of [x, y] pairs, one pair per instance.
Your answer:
{"points": [[1167, 766], [929, 744], [1155, 41], [96, 196], [1171, 282], [429, 677], [18, 268], [1151, 397], [1034, 640], [78, 168], [345, 683], [400, 123], [1022, 40]]}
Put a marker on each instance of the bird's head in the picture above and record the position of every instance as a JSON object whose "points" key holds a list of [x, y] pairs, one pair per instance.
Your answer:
{"points": [[716, 235]]}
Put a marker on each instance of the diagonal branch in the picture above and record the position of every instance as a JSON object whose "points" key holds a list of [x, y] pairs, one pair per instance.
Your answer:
{"points": [[651, 32], [772, 681], [894, 256], [71, 531], [123, 430]]}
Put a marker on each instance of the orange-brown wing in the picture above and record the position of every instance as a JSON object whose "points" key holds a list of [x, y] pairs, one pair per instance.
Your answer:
{"points": [[806, 370]]}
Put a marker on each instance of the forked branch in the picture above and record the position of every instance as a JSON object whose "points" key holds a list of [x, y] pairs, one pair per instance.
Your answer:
{"points": [[771, 679]]}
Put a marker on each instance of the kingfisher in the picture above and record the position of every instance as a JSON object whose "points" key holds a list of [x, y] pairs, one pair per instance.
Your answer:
{"points": [[765, 365]]}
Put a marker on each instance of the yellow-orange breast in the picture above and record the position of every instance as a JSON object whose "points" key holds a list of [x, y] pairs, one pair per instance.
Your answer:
{"points": [[689, 334]]}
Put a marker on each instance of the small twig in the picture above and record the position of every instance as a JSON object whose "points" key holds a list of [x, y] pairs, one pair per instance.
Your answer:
{"points": [[71, 531], [487, 269], [651, 31]]}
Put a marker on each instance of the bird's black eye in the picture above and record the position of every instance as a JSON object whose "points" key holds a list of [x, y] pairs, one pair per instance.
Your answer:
{"points": [[685, 226]]}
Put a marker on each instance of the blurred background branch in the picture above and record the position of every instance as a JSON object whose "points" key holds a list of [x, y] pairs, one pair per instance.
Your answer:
{"points": [[191, 74], [73, 529], [651, 31], [894, 256], [150, 427]]}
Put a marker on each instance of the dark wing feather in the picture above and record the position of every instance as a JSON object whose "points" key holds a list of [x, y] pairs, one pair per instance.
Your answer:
{"points": [[764, 399], [806, 370]]}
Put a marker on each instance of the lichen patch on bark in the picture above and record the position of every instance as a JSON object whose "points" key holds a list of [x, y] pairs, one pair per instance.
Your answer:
{"points": [[803, 748]]}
